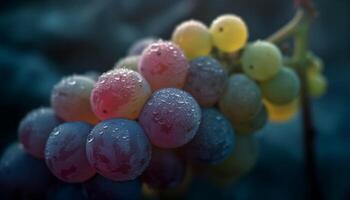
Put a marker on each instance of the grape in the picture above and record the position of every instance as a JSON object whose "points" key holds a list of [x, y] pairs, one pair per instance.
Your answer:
{"points": [[102, 188], [214, 139], [35, 128], [206, 80], [70, 99], [281, 113], [165, 170], [163, 65], [261, 60], [118, 149], [67, 192], [129, 62], [240, 162], [252, 125], [65, 152], [229, 33], [317, 84], [282, 88], [20, 172], [193, 37], [170, 118], [119, 93], [92, 74], [241, 100], [140, 45]]}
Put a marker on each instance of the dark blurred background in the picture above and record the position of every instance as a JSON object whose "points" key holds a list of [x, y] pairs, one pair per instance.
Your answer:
{"points": [[43, 40]]}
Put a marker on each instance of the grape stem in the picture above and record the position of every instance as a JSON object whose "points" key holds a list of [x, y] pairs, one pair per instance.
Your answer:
{"points": [[298, 29]]}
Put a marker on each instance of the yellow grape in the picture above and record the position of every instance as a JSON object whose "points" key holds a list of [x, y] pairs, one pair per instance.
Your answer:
{"points": [[229, 33], [128, 62], [281, 113], [317, 84], [193, 37]]}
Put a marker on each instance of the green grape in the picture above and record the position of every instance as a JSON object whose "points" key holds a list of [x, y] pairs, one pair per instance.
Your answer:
{"points": [[317, 84], [129, 62], [193, 37], [252, 125], [282, 113], [239, 163], [229, 33], [282, 88], [241, 100], [261, 60]]}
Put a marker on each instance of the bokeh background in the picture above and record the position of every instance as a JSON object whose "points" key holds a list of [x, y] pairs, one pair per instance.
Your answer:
{"points": [[43, 40]]}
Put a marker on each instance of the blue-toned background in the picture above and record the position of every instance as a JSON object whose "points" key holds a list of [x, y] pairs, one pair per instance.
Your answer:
{"points": [[42, 40]]}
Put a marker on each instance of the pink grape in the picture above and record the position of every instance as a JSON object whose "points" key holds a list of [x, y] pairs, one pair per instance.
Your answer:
{"points": [[35, 128], [164, 65], [118, 149], [170, 118], [119, 93], [65, 152]]}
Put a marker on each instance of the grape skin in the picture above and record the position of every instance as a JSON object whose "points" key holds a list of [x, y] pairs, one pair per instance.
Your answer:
{"points": [[193, 38], [102, 188], [214, 139], [239, 163], [70, 99], [252, 125], [282, 113], [35, 128], [206, 80], [229, 33], [129, 62], [118, 149], [137, 47], [317, 84], [20, 172], [166, 170], [261, 60], [163, 65], [170, 118], [242, 99], [282, 88], [119, 93], [65, 152]]}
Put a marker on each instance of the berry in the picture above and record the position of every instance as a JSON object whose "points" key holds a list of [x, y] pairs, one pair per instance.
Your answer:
{"points": [[252, 125], [206, 80], [70, 99], [170, 118], [119, 93], [193, 38], [65, 152], [317, 84], [261, 60], [282, 113], [163, 65], [229, 33], [118, 149], [35, 128], [137, 47], [129, 62], [214, 139]]}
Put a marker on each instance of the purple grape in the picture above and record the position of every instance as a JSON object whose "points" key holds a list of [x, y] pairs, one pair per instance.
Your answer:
{"points": [[170, 118], [65, 152], [103, 188], [214, 140], [140, 45], [118, 149], [165, 170], [206, 80], [35, 128], [23, 173]]}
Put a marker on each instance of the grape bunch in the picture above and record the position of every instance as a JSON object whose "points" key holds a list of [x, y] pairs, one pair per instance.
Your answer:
{"points": [[168, 111]]}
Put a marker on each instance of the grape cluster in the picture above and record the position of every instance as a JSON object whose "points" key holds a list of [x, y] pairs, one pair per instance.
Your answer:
{"points": [[168, 111]]}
